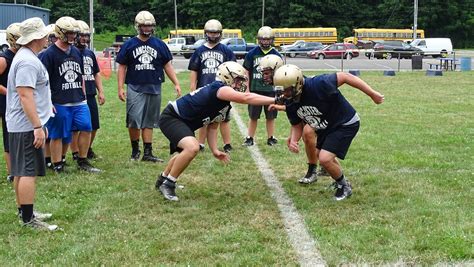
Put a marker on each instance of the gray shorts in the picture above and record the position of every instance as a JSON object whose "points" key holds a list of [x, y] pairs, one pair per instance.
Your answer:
{"points": [[143, 110], [26, 160]]}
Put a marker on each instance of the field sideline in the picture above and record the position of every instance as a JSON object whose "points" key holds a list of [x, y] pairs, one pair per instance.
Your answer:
{"points": [[412, 167]]}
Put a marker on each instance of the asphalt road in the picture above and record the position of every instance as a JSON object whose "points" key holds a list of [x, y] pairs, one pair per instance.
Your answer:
{"points": [[358, 63]]}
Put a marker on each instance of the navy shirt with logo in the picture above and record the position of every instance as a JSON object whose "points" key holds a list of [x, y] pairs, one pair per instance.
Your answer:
{"points": [[8, 55], [65, 74], [202, 107], [321, 105], [252, 59], [205, 61], [91, 68], [145, 61]]}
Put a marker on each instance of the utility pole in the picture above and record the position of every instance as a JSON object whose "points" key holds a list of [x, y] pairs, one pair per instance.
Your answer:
{"points": [[91, 23], [175, 19], [263, 13], [415, 18]]}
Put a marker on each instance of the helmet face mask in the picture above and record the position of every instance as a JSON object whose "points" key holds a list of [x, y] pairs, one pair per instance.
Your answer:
{"points": [[265, 37], [233, 74], [267, 66], [12, 35], [84, 36], [213, 31], [145, 23], [289, 78], [66, 29]]}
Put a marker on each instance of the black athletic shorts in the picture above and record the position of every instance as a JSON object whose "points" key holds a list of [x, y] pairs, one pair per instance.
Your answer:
{"points": [[26, 160], [6, 147], [255, 111], [337, 140], [94, 109], [174, 128]]}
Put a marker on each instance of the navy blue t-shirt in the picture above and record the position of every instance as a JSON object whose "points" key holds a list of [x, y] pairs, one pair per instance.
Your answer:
{"points": [[202, 107], [91, 68], [8, 55], [322, 106], [145, 62], [205, 61], [251, 61], [65, 74]]}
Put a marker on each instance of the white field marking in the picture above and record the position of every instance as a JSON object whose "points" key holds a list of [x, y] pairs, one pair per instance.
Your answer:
{"points": [[383, 66], [303, 244], [331, 66]]}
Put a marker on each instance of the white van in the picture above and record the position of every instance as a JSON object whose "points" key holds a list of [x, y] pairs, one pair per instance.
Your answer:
{"points": [[434, 47]]}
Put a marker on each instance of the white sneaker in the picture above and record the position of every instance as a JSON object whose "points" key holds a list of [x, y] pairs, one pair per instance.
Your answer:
{"points": [[37, 224], [40, 216]]}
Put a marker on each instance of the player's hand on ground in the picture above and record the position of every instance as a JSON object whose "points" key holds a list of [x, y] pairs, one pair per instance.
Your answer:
{"points": [[178, 91], [224, 157], [293, 146]]}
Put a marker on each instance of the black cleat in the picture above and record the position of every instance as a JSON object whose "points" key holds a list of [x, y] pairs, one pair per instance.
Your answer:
{"points": [[248, 141], [167, 188], [135, 155], [228, 148], [272, 141], [343, 191], [84, 165]]}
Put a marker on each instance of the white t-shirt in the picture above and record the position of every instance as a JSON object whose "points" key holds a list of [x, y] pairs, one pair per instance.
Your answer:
{"points": [[27, 71]]}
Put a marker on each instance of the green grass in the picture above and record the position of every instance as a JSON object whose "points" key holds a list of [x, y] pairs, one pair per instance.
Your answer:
{"points": [[411, 166]]}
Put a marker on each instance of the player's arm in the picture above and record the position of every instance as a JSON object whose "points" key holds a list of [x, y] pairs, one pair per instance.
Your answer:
{"points": [[3, 67], [248, 81], [229, 94], [122, 70], [212, 141], [193, 80], [172, 75], [296, 131], [356, 82], [100, 88], [29, 107]]}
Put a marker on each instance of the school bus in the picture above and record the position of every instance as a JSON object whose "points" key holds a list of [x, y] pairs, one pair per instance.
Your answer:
{"points": [[285, 36], [383, 34], [199, 33]]}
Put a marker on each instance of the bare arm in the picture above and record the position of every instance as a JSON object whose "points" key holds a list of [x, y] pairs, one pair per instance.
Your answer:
{"points": [[248, 81], [3, 67], [193, 80], [229, 94], [296, 132], [29, 107], [100, 88], [212, 141], [356, 82], [122, 69], [172, 75]]}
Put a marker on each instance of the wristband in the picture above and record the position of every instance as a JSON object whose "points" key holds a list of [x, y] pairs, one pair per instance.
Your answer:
{"points": [[39, 127]]}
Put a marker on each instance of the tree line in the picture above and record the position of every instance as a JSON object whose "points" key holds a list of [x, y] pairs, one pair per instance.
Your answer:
{"points": [[439, 18]]}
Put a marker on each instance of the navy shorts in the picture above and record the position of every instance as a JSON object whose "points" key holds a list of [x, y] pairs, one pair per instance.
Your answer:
{"points": [[94, 109], [337, 140], [174, 128], [255, 111], [68, 119]]}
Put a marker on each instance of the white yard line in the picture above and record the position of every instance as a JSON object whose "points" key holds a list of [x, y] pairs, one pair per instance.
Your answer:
{"points": [[303, 244]]}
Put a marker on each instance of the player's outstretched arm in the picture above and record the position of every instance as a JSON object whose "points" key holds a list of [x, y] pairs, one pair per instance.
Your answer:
{"points": [[354, 81], [229, 94]]}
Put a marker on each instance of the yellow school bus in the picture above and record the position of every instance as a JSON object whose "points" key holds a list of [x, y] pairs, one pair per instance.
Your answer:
{"points": [[383, 34], [199, 33], [286, 36]]}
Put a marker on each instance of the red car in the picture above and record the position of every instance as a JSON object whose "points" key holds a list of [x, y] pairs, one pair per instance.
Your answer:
{"points": [[338, 50]]}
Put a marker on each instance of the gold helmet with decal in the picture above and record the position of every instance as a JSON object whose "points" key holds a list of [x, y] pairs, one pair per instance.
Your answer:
{"points": [[229, 71]]}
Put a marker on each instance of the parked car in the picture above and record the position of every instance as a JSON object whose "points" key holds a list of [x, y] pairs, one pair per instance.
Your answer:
{"points": [[175, 45], [3, 41], [337, 50], [435, 47], [302, 49], [394, 49], [239, 46], [284, 47], [188, 50]]}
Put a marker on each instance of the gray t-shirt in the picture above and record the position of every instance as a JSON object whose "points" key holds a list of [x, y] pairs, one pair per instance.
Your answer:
{"points": [[27, 71]]}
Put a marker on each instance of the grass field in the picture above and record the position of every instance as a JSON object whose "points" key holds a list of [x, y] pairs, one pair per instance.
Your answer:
{"points": [[411, 166]]}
